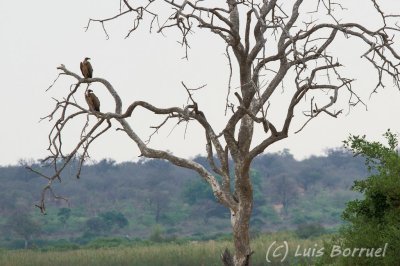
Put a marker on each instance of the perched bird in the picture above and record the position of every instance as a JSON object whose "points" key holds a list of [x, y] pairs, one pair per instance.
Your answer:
{"points": [[86, 68], [92, 101]]}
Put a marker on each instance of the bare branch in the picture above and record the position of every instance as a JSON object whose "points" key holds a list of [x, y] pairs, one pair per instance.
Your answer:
{"points": [[280, 44]]}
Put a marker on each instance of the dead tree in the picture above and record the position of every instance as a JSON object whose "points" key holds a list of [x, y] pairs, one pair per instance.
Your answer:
{"points": [[266, 42]]}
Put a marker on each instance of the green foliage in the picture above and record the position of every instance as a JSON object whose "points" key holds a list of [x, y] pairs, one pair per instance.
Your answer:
{"points": [[309, 176], [377, 156], [258, 195], [22, 224], [310, 230], [97, 226], [197, 190], [105, 223], [152, 192], [374, 220], [270, 214], [113, 218], [157, 234], [64, 214]]}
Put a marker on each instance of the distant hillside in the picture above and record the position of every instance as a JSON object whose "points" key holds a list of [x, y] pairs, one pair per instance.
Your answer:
{"points": [[157, 198]]}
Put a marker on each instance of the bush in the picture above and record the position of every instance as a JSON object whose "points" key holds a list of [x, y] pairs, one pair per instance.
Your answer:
{"points": [[157, 234], [374, 221], [310, 230]]}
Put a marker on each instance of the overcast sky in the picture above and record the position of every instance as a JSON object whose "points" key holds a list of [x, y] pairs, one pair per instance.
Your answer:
{"points": [[38, 36]]}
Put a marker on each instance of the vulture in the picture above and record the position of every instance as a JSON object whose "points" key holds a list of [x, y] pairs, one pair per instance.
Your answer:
{"points": [[92, 101], [86, 68]]}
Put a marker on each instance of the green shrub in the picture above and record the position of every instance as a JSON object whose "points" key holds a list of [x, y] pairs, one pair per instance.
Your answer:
{"points": [[373, 222], [310, 230]]}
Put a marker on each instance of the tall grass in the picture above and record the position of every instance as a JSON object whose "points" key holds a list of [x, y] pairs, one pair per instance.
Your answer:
{"points": [[192, 253]]}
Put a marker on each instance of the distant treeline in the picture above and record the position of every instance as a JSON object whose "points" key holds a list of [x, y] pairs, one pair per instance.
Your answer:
{"points": [[152, 199]]}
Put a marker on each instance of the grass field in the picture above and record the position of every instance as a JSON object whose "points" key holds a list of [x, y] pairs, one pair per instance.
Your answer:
{"points": [[191, 253]]}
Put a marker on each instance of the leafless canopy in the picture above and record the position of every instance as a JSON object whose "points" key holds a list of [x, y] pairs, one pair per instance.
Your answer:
{"points": [[265, 41]]}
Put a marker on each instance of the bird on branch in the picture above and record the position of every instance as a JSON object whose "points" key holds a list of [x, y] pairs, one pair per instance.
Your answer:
{"points": [[86, 68], [92, 101]]}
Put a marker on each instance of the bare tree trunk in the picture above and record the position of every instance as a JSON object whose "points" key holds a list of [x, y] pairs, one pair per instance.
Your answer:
{"points": [[241, 234], [240, 221], [243, 194]]}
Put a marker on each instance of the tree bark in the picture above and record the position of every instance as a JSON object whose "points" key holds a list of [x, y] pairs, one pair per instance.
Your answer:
{"points": [[240, 221], [240, 216], [241, 234], [243, 193]]}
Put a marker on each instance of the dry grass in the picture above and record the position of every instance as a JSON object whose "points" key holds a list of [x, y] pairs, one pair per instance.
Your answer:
{"points": [[193, 253]]}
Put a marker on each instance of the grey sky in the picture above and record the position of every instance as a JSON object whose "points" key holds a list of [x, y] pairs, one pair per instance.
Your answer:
{"points": [[37, 36]]}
